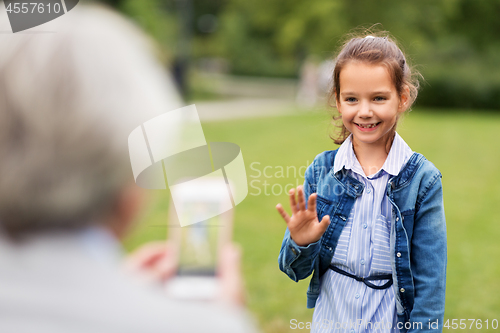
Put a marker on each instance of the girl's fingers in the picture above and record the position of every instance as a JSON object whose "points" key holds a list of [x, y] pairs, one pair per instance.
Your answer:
{"points": [[311, 206], [302, 202], [283, 214], [293, 203]]}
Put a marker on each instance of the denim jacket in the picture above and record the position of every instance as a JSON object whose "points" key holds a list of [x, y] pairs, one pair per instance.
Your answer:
{"points": [[417, 239]]}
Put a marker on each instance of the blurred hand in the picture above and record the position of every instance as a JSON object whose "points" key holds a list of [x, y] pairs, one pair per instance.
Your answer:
{"points": [[158, 261], [303, 225], [154, 261], [230, 275]]}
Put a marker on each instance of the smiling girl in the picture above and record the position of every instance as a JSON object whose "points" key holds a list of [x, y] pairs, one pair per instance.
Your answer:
{"points": [[369, 221]]}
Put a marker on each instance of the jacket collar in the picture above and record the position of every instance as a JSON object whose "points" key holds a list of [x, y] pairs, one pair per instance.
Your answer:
{"points": [[407, 172]]}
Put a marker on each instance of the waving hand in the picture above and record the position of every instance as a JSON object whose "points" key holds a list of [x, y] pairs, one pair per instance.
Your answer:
{"points": [[303, 225]]}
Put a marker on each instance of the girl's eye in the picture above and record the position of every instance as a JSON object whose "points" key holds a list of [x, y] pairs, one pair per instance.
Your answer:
{"points": [[350, 99], [380, 98]]}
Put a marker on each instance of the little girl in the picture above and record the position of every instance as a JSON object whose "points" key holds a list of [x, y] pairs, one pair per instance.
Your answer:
{"points": [[369, 221]]}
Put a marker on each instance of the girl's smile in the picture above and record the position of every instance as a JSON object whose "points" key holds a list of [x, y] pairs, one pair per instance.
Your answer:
{"points": [[367, 127]]}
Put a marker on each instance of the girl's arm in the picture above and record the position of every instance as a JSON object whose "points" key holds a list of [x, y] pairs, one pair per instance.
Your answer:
{"points": [[429, 256], [300, 246]]}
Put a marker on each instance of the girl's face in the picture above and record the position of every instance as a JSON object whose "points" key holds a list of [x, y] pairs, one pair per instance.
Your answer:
{"points": [[369, 103]]}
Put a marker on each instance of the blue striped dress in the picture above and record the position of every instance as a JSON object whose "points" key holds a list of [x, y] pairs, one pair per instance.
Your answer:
{"points": [[344, 304]]}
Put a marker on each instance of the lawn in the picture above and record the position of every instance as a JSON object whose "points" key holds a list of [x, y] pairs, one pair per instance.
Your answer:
{"points": [[464, 145]]}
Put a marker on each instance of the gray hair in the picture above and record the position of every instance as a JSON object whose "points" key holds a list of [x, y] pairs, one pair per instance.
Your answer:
{"points": [[70, 93]]}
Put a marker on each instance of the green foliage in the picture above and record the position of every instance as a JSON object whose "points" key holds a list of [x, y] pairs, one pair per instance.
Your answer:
{"points": [[456, 91], [454, 41], [156, 18]]}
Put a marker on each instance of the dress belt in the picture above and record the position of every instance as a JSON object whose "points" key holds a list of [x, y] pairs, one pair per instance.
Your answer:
{"points": [[366, 280]]}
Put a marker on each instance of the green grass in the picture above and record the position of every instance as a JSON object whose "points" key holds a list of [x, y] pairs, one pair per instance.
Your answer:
{"points": [[464, 145]]}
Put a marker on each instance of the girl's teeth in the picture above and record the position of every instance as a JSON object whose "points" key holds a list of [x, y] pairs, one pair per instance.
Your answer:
{"points": [[368, 126]]}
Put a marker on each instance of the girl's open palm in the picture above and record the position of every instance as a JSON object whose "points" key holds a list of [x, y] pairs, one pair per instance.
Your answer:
{"points": [[303, 225]]}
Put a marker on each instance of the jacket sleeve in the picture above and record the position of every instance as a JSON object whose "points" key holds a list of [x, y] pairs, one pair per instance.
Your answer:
{"points": [[429, 257], [298, 261]]}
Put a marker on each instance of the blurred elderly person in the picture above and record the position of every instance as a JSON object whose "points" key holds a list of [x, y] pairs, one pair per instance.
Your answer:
{"points": [[69, 96]]}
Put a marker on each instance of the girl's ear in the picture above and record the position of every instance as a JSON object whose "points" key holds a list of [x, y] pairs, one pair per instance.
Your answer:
{"points": [[404, 99], [337, 104]]}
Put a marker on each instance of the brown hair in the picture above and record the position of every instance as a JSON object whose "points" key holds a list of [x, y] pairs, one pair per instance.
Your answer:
{"points": [[376, 49]]}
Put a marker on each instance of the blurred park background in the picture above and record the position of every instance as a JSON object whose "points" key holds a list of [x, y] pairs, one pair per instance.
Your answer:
{"points": [[246, 65]]}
